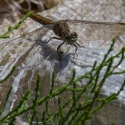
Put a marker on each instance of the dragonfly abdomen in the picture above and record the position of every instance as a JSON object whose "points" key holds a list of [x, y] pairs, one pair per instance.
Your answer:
{"points": [[42, 20]]}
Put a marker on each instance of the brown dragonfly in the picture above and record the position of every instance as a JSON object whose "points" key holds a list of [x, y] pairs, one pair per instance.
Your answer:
{"points": [[62, 30], [66, 30]]}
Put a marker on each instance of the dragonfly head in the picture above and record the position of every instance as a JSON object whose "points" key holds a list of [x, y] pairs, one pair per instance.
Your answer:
{"points": [[71, 38]]}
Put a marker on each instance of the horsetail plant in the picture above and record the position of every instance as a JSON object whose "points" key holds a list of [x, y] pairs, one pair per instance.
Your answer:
{"points": [[83, 110]]}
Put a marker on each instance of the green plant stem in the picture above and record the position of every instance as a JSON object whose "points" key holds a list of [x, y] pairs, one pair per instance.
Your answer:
{"points": [[10, 29]]}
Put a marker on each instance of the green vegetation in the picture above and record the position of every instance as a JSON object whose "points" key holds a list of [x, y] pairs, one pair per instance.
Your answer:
{"points": [[10, 29]]}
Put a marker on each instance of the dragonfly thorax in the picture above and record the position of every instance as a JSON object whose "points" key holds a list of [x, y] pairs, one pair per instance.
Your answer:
{"points": [[70, 38]]}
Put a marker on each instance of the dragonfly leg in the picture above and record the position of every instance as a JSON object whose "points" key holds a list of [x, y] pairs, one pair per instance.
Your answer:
{"points": [[58, 50], [76, 49], [52, 38]]}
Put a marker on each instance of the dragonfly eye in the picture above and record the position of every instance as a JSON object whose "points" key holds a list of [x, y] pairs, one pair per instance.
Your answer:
{"points": [[73, 36]]}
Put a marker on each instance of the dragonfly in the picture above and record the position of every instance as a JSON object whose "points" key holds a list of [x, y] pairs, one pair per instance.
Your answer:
{"points": [[66, 31], [62, 30]]}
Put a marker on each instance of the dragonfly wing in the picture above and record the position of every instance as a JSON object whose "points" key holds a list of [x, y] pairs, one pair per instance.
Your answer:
{"points": [[37, 34], [91, 31], [16, 50]]}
